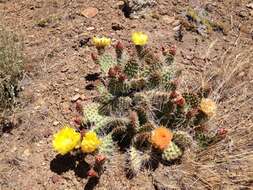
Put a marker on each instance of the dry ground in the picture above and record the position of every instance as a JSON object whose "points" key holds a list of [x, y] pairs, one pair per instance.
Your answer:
{"points": [[57, 60]]}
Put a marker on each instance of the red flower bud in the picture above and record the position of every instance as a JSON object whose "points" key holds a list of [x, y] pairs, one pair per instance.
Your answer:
{"points": [[173, 50], [180, 101], [174, 94], [112, 72], [94, 57], [122, 77], [92, 173], [100, 159], [78, 120], [119, 46], [79, 107], [222, 131]]}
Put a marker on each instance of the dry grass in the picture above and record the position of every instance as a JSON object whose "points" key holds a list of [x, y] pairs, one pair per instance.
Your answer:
{"points": [[11, 68], [227, 164]]}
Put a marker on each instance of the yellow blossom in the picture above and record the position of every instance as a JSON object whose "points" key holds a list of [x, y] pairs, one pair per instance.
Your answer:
{"points": [[90, 142], [101, 42], [208, 106], [139, 38], [66, 140]]}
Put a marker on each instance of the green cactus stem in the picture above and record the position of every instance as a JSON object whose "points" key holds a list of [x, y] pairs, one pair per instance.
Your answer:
{"points": [[172, 152]]}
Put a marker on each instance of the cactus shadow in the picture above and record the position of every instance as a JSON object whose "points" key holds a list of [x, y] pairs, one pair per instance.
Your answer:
{"points": [[91, 184], [170, 163], [64, 163], [61, 164], [81, 169], [92, 77]]}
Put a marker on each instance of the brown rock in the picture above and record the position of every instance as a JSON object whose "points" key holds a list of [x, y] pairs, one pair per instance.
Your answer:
{"points": [[90, 12]]}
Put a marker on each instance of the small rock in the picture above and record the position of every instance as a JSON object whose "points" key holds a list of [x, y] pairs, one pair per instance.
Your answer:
{"points": [[64, 69], [168, 19], [90, 28], [75, 98], [55, 123], [241, 74], [176, 28], [26, 153], [243, 13], [90, 12], [250, 5], [120, 4]]}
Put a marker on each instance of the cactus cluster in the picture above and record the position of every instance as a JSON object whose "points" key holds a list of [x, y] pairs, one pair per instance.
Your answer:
{"points": [[141, 109], [140, 94]]}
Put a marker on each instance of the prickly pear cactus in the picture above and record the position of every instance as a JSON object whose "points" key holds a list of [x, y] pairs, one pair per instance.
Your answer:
{"points": [[141, 108], [138, 96]]}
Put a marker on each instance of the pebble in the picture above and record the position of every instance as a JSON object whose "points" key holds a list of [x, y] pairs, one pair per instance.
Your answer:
{"points": [[90, 28], [176, 28], [65, 69], [55, 123], [243, 13], [90, 12], [26, 153], [250, 5], [75, 98]]}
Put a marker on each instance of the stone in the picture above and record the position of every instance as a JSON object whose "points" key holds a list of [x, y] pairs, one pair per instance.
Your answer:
{"points": [[90, 12], [90, 28], [75, 98], [250, 5], [55, 123], [64, 69]]}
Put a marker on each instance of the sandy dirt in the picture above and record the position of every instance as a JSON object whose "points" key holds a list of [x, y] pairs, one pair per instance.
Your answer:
{"points": [[57, 52]]}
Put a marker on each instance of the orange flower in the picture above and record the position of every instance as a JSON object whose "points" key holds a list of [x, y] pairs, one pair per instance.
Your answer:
{"points": [[161, 137]]}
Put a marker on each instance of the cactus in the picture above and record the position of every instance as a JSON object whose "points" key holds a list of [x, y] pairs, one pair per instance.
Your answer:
{"points": [[92, 115], [182, 139], [107, 148], [172, 152], [141, 108], [135, 160], [192, 100], [131, 68], [106, 62]]}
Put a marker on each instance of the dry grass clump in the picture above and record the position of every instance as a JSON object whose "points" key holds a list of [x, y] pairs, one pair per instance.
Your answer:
{"points": [[11, 68], [227, 164]]}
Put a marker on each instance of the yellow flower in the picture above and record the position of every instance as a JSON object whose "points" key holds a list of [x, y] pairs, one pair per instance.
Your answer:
{"points": [[139, 38], [208, 106], [101, 42], [66, 140], [90, 142]]}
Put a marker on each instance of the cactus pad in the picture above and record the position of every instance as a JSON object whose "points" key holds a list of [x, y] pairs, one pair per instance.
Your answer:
{"points": [[106, 62], [172, 152]]}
